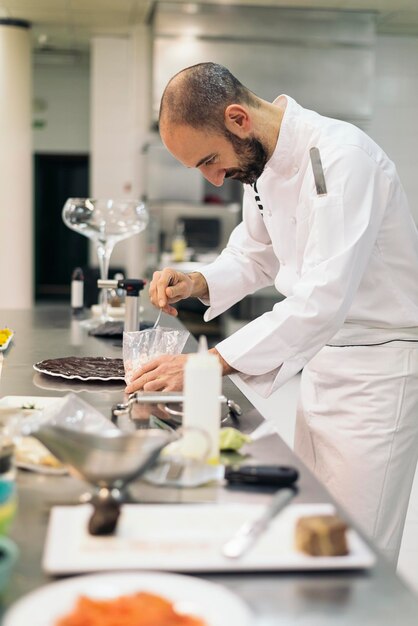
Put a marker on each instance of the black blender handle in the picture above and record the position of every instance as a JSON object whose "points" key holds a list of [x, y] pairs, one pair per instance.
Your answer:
{"points": [[275, 475]]}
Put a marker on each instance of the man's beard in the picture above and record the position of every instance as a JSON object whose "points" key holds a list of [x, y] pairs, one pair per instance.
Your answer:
{"points": [[252, 158]]}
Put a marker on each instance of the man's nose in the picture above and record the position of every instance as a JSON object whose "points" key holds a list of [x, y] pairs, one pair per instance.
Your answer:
{"points": [[216, 178]]}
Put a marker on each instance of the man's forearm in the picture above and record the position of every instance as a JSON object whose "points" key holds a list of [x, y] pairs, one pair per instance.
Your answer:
{"points": [[200, 286]]}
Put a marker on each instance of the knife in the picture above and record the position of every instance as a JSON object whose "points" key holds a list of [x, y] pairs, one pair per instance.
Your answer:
{"points": [[318, 172], [249, 532], [192, 474]]}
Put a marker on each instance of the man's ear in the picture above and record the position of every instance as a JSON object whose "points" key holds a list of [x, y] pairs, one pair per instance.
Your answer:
{"points": [[237, 120]]}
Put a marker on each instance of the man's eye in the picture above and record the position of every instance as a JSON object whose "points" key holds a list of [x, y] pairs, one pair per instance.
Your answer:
{"points": [[211, 160]]}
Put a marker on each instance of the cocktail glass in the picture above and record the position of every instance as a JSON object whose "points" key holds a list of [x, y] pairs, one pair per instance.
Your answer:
{"points": [[105, 221]]}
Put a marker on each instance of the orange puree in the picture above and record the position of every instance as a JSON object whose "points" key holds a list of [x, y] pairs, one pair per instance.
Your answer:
{"points": [[140, 609]]}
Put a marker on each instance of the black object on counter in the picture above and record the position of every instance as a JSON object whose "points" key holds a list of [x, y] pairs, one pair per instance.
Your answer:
{"points": [[275, 475], [104, 518]]}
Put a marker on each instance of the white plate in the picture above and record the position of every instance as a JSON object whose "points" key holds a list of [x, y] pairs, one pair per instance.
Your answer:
{"points": [[191, 542], [5, 345], [209, 601]]}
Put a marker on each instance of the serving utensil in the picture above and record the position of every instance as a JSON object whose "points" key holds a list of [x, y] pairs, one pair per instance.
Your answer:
{"points": [[247, 534]]}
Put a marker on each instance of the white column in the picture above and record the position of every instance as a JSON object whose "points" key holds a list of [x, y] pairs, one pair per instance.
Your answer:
{"points": [[120, 117], [16, 248]]}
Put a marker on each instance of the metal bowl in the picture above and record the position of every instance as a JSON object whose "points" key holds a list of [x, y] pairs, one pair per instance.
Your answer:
{"points": [[108, 460]]}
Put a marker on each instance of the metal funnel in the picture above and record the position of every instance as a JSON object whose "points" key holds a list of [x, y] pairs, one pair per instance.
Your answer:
{"points": [[106, 460]]}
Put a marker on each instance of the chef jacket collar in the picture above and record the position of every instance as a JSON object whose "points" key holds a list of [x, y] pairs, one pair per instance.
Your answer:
{"points": [[284, 160]]}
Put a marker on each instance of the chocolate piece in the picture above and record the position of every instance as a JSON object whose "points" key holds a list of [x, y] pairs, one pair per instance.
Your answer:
{"points": [[321, 535]]}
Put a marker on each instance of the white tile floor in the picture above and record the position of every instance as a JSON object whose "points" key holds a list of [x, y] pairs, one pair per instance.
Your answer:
{"points": [[285, 426]]}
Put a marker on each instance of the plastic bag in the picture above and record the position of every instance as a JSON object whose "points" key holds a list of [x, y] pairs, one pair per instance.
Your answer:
{"points": [[142, 346], [70, 412]]}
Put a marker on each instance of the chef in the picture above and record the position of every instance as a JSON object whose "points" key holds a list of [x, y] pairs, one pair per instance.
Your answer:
{"points": [[326, 220]]}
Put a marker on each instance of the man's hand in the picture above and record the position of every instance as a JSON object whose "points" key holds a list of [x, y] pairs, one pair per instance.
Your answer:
{"points": [[170, 286], [166, 373]]}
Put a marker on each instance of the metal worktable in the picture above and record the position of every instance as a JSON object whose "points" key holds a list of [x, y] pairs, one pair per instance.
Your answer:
{"points": [[321, 598]]}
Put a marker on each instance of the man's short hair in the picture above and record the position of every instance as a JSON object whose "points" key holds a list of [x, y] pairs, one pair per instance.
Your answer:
{"points": [[198, 96]]}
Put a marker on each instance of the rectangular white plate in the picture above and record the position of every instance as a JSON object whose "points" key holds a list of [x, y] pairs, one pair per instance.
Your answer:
{"points": [[186, 538]]}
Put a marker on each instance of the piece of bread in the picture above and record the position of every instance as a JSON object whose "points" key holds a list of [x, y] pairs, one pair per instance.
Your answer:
{"points": [[321, 535]]}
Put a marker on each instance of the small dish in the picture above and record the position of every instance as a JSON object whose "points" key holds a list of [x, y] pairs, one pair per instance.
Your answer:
{"points": [[6, 343], [9, 553]]}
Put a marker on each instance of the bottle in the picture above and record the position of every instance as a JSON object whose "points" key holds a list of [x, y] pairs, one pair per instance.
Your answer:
{"points": [[77, 291], [179, 244], [202, 390], [7, 485]]}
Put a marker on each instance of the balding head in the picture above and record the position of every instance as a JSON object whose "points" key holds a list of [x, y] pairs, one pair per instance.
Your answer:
{"points": [[198, 96]]}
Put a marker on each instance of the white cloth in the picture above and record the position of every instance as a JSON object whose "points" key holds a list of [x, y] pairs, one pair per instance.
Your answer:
{"points": [[347, 263], [357, 430]]}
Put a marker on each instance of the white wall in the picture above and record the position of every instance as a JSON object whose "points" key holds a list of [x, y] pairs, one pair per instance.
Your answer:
{"points": [[120, 119], [394, 124], [61, 101]]}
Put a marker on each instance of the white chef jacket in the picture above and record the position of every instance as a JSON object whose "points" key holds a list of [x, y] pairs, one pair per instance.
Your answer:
{"points": [[347, 261]]}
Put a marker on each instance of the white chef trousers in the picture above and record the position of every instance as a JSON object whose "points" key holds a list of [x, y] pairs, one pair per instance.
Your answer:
{"points": [[357, 430]]}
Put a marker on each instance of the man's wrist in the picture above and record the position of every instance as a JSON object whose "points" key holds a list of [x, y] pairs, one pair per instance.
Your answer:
{"points": [[226, 368], [200, 287]]}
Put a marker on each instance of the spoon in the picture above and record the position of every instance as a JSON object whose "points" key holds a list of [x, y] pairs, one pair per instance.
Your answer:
{"points": [[157, 321]]}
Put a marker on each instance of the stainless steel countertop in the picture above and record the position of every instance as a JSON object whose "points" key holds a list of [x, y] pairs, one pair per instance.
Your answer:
{"points": [[376, 597]]}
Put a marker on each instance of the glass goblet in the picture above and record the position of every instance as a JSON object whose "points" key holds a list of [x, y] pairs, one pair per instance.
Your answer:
{"points": [[105, 221]]}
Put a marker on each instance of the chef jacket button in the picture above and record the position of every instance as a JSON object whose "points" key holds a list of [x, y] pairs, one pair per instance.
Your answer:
{"points": [[295, 169], [293, 220], [282, 262]]}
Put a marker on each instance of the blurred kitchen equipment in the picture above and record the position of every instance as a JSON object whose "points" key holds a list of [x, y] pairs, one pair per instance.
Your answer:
{"points": [[132, 288], [96, 451], [170, 473], [171, 404], [106, 222], [249, 532], [77, 291], [7, 484], [109, 461], [207, 227]]}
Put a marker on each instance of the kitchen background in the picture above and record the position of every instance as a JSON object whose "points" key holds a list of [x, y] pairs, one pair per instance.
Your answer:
{"points": [[96, 70]]}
